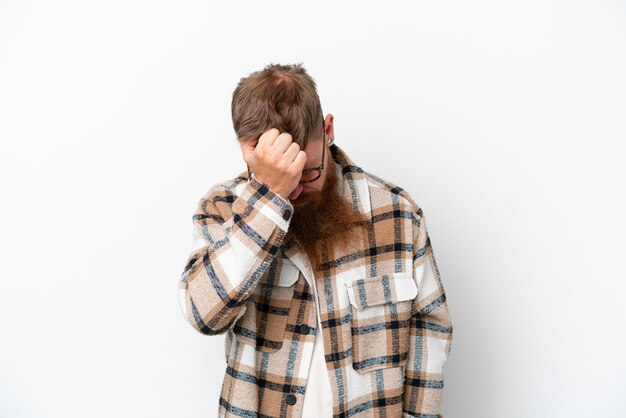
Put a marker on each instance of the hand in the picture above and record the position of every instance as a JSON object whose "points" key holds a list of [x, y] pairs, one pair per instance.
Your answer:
{"points": [[275, 160]]}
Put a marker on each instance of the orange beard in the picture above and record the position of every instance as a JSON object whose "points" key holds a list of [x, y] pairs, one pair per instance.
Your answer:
{"points": [[323, 216]]}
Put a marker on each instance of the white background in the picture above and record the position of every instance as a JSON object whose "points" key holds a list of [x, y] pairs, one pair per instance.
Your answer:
{"points": [[505, 121]]}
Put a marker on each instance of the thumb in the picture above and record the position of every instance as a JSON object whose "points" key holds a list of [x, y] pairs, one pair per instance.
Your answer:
{"points": [[247, 148]]}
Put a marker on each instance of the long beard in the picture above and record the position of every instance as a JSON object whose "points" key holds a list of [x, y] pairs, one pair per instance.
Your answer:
{"points": [[324, 219]]}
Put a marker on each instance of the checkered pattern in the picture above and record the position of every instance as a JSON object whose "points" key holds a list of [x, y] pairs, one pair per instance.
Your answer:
{"points": [[386, 326]]}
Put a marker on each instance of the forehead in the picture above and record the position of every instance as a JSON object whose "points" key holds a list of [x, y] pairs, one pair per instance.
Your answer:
{"points": [[314, 149]]}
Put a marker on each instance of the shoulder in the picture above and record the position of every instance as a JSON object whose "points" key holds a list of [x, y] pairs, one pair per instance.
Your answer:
{"points": [[384, 192]]}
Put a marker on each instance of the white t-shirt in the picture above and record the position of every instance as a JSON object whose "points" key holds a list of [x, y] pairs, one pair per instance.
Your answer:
{"points": [[318, 397]]}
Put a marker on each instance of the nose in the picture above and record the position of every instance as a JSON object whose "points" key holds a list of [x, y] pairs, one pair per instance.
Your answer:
{"points": [[296, 192]]}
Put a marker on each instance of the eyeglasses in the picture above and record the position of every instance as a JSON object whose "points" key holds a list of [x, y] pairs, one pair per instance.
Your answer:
{"points": [[313, 173]]}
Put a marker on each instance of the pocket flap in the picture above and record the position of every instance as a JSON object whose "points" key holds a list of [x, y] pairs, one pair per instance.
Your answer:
{"points": [[381, 289]]}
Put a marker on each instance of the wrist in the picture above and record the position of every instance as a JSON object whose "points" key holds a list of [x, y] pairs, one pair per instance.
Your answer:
{"points": [[282, 193]]}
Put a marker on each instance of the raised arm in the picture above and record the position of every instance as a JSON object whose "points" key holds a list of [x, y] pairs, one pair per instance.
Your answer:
{"points": [[235, 238]]}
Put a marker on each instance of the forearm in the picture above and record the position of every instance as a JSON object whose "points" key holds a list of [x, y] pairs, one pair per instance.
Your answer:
{"points": [[231, 252]]}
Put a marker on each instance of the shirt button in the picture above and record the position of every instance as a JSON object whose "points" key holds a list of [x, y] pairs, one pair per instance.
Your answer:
{"points": [[290, 399], [304, 329], [286, 214]]}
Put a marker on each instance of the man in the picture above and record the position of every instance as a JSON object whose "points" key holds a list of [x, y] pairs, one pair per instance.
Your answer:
{"points": [[321, 274]]}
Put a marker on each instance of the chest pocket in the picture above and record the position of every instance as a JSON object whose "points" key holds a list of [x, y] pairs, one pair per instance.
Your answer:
{"points": [[381, 314], [264, 322]]}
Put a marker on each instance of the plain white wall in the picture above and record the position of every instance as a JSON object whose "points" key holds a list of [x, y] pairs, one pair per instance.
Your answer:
{"points": [[506, 122]]}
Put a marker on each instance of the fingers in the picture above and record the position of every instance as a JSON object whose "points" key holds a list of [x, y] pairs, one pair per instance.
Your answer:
{"points": [[275, 145], [280, 146], [263, 142], [269, 137], [273, 138], [300, 161], [292, 152], [289, 151], [282, 142]]}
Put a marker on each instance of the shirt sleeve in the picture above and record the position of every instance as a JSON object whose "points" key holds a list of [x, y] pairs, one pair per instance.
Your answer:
{"points": [[430, 331], [235, 238]]}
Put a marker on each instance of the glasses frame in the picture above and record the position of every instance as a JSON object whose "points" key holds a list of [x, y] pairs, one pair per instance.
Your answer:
{"points": [[308, 170]]}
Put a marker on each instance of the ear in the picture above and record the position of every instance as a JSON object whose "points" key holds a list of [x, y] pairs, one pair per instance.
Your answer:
{"points": [[328, 126]]}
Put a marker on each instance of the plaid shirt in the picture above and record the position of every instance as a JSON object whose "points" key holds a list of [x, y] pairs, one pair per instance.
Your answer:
{"points": [[386, 326]]}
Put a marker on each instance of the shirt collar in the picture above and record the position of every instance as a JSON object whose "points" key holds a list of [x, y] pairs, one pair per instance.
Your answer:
{"points": [[353, 185]]}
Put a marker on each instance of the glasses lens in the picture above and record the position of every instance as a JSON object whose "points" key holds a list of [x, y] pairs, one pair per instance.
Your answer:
{"points": [[310, 176]]}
